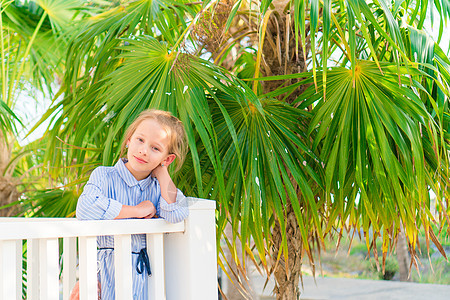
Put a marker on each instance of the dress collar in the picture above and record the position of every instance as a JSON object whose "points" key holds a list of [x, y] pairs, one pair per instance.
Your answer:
{"points": [[129, 179]]}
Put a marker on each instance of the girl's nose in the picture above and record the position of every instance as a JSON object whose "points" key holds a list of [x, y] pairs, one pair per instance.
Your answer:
{"points": [[143, 150]]}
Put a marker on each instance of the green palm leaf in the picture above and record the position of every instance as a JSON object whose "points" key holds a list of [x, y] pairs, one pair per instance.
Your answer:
{"points": [[7, 119], [375, 138]]}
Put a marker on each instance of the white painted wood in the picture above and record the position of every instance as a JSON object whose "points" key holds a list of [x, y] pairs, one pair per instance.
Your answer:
{"points": [[185, 260], [19, 260], [88, 268], [8, 266], [122, 264], [191, 258], [69, 265], [49, 269], [2, 269], [156, 283], [29, 228], [33, 282]]}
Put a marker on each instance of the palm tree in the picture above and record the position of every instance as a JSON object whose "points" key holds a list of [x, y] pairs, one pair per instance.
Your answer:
{"points": [[34, 36], [304, 118]]}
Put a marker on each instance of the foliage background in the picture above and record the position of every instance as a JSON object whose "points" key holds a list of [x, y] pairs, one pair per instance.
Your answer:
{"points": [[304, 118]]}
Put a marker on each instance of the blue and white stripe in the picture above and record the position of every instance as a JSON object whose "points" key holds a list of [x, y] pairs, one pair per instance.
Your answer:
{"points": [[104, 194]]}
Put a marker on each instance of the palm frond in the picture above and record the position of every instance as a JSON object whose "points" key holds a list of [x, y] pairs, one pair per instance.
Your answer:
{"points": [[375, 137]]}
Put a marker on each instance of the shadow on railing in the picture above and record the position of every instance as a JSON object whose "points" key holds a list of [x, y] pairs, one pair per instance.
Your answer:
{"points": [[182, 256]]}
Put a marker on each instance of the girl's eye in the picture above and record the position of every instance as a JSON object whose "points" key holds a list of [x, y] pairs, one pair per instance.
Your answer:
{"points": [[140, 140], [155, 148]]}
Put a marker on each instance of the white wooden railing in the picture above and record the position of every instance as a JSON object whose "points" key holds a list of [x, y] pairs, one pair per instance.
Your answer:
{"points": [[182, 256]]}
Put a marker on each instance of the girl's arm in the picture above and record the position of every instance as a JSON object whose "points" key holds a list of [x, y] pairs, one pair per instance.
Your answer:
{"points": [[93, 204], [145, 209], [172, 203], [168, 188]]}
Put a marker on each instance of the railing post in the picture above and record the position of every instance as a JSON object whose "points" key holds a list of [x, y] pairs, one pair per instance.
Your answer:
{"points": [[88, 268], [49, 268], [155, 248], [190, 257], [69, 265], [122, 264], [10, 269], [19, 262], [33, 269]]}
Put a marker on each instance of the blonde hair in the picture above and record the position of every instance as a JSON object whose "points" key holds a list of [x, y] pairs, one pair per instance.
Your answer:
{"points": [[173, 126]]}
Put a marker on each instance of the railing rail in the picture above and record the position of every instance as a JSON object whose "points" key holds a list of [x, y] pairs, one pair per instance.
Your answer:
{"points": [[182, 256]]}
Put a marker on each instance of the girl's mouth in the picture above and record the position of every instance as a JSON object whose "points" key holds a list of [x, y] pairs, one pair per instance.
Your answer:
{"points": [[140, 160]]}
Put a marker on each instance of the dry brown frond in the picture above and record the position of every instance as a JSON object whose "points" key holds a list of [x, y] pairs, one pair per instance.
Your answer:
{"points": [[209, 32]]}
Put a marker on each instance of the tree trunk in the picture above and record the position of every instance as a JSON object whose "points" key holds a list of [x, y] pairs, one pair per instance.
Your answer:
{"points": [[402, 256], [279, 51], [8, 194], [239, 289], [287, 273], [5, 153], [279, 58], [8, 190]]}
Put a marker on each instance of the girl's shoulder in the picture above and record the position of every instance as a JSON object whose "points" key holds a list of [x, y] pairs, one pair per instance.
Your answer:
{"points": [[105, 168], [102, 172]]}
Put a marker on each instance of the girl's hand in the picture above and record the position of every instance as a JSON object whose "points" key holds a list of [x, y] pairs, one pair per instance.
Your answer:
{"points": [[168, 188], [145, 209], [160, 171]]}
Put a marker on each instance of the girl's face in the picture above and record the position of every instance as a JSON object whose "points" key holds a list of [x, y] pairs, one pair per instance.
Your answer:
{"points": [[148, 148]]}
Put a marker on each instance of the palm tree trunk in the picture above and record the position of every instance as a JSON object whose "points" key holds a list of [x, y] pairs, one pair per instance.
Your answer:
{"points": [[8, 190], [281, 60], [287, 272], [402, 256], [5, 153], [239, 289]]}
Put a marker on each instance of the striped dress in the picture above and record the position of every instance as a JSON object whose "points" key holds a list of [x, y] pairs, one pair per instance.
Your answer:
{"points": [[106, 191]]}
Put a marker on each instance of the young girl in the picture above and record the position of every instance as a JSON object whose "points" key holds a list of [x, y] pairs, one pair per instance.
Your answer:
{"points": [[138, 186]]}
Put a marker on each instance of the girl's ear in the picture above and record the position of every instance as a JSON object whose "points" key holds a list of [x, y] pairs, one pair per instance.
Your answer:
{"points": [[169, 159]]}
